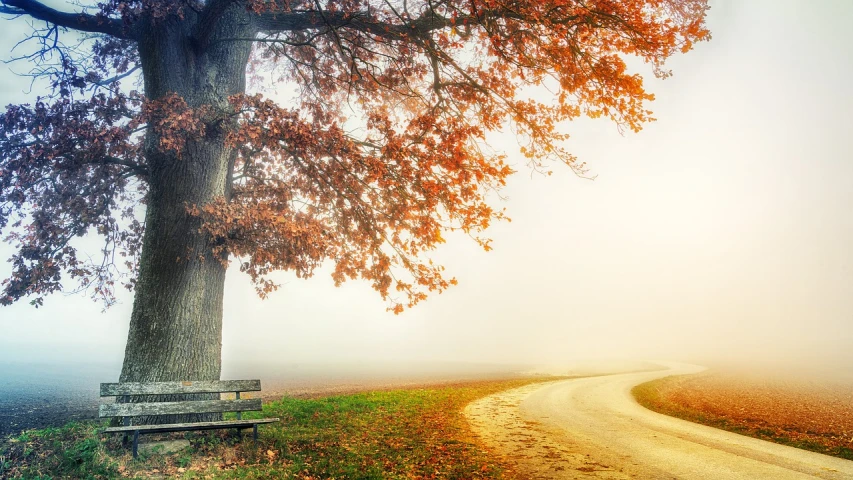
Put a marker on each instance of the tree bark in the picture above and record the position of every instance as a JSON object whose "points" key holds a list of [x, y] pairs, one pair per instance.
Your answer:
{"points": [[176, 323]]}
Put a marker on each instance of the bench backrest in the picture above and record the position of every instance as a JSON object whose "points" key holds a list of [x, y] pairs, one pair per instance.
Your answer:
{"points": [[124, 408]]}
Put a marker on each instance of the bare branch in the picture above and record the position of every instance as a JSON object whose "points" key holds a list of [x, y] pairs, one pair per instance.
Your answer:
{"points": [[108, 81], [75, 21]]}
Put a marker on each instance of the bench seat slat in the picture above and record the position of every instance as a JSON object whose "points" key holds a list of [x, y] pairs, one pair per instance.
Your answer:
{"points": [[169, 388], [178, 408], [177, 427]]}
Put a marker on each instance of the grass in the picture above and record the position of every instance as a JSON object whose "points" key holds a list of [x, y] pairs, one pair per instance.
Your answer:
{"points": [[416, 433], [743, 410]]}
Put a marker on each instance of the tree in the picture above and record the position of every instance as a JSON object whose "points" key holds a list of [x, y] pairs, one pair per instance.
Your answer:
{"points": [[381, 152]]}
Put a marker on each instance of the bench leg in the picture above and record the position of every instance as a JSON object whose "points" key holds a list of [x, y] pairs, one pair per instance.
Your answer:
{"points": [[125, 421], [135, 442], [239, 434], [255, 432]]}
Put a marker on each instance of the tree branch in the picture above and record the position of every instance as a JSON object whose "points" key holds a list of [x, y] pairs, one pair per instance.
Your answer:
{"points": [[137, 169], [272, 22], [108, 81], [75, 21]]}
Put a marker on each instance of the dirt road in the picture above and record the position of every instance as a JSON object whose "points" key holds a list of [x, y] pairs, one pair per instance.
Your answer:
{"points": [[593, 428]]}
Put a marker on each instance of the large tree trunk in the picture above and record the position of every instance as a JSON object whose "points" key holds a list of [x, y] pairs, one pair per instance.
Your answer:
{"points": [[176, 324]]}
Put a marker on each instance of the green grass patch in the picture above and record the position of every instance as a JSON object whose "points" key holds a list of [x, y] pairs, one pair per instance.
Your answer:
{"points": [[395, 434]]}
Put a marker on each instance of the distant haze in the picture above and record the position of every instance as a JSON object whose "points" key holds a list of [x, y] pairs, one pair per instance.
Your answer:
{"points": [[721, 232]]}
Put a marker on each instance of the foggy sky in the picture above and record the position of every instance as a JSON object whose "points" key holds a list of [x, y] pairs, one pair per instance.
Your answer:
{"points": [[723, 230]]}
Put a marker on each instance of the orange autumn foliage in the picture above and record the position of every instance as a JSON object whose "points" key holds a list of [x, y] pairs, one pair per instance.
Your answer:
{"points": [[385, 148], [308, 188]]}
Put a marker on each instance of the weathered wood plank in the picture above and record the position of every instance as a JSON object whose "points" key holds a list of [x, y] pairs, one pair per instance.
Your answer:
{"points": [[178, 408], [171, 388], [177, 427]]}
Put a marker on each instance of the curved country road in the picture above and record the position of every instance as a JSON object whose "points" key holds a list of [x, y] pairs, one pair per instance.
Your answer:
{"points": [[593, 428]]}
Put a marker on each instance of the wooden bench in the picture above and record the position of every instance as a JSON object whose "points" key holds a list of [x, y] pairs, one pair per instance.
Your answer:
{"points": [[127, 410]]}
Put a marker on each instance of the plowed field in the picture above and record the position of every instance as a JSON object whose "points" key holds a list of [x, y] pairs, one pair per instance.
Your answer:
{"points": [[814, 415]]}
